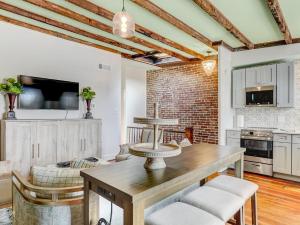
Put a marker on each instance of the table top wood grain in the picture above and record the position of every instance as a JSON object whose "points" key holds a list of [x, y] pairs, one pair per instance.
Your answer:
{"points": [[134, 182]]}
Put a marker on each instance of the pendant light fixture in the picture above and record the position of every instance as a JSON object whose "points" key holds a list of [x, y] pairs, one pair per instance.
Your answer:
{"points": [[123, 24], [209, 64]]}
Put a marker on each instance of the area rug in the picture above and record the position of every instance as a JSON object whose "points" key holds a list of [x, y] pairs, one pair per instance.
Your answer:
{"points": [[6, 216]]}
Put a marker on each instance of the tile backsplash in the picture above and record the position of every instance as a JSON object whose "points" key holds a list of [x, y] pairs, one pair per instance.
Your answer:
{"points": [[272, 117]]}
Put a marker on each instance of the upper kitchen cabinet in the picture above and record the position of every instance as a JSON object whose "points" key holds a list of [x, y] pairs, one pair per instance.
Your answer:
{"points": [[261, 76], [238, 88], [285, 84]]}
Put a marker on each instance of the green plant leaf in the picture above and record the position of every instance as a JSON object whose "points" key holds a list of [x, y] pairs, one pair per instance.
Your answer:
{"points": [[11, 85], [87, 93]]}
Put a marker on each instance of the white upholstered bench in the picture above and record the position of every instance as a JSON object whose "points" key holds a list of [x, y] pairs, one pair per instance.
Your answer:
{"points": [[242, 188], [179, 213], [219, 203]]}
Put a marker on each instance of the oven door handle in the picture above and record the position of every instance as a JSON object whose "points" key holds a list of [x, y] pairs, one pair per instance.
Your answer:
{"points": [[256, 165]]}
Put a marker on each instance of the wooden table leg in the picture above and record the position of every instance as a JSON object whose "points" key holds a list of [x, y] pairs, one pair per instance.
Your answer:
{"points": [[134, 214], [239, 172], [86, 212], [254, 209], [239, 168]]}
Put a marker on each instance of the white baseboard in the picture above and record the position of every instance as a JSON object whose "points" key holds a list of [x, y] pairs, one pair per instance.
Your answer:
{"points": [[287, 177]]}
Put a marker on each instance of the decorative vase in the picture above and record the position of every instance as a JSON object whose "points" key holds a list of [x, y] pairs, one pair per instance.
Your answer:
{"points": [[11, 114], [88, 114]]}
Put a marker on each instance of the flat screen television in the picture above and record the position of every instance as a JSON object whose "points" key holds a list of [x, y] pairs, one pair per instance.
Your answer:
{"points": [[41, 93]]}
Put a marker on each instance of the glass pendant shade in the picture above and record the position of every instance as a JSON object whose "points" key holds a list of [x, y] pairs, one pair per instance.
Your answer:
{"points": [[123, 24], [209, 66]]}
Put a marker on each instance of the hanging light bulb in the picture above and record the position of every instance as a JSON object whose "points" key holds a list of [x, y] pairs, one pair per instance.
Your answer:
{"points": [[123, 24], [209, 65]]}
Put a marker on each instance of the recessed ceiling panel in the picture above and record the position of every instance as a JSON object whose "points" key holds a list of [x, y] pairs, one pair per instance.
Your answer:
{"points": [[52, 28], [55, 16], [252, 17], [191, 14], [291, 13], [154, 23]]}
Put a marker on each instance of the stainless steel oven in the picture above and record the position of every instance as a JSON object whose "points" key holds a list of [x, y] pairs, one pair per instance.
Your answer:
{"points": [[261, 96], [259, 151]]}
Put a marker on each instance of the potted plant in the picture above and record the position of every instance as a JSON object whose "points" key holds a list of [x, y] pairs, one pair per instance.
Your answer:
{"points": [[88, 94], [12, 88]]}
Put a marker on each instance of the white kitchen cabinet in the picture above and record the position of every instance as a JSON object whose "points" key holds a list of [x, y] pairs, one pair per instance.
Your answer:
{"points": [[233, 134], [251, 77], [233, 142], [296, 139], [261, 76], [282, 157], [266, 75], [285, 84], [41, 142], [238, 88], [233, 138], [296, 159], [282, 138]]}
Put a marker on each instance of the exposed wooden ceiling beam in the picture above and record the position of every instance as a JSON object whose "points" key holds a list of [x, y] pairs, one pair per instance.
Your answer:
{"points": [[211, 10], [64, 36], [67, 27], [156, 10], [279, 18], [94, 23], [140, 29], [56, 34], [218, 43], [268, 44]]}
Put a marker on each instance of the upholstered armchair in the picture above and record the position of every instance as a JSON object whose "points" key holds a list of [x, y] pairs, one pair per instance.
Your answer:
{"points": [[146, 136], [36, 205]]}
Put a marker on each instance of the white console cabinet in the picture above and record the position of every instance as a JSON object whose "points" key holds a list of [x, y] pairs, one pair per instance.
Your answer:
{"points": [[41, 142]]}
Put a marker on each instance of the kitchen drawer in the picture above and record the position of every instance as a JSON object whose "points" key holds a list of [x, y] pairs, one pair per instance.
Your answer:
{"points": [[287, 138], [233, 134], [233, 142], [259, 168], [296, 139]]}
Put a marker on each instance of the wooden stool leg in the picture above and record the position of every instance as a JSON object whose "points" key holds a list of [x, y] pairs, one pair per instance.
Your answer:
{"points": [[254, 209], [203, 181], [239, 217]]}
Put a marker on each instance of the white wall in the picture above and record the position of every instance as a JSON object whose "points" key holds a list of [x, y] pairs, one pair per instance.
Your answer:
{"points": [[265, 54], [28, 52], [135, 93], [224, 99]]}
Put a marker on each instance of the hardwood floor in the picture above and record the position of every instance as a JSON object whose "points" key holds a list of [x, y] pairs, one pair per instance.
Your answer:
{"points": [[278, 201]]}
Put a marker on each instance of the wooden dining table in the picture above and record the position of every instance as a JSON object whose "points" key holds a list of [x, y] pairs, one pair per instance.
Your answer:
{"points": [[133, 188]]}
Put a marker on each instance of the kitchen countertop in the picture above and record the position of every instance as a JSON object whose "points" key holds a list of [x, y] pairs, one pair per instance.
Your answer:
{"points": [[276, 131]]}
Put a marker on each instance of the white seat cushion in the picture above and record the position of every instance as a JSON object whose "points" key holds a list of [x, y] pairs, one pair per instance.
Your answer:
{"points": [[234, 185], [220, 203], [182, 214]]}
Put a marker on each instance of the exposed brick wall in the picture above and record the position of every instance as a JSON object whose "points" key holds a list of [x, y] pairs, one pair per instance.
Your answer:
{"points": [[188, 93]]}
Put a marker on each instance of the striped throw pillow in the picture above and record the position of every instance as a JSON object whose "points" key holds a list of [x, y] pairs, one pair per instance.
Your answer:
{"points": [[56, 177], [82, 163]]}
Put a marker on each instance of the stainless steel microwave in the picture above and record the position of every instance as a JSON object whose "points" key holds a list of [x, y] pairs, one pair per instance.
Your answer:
{"points": [[261, 96]]}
